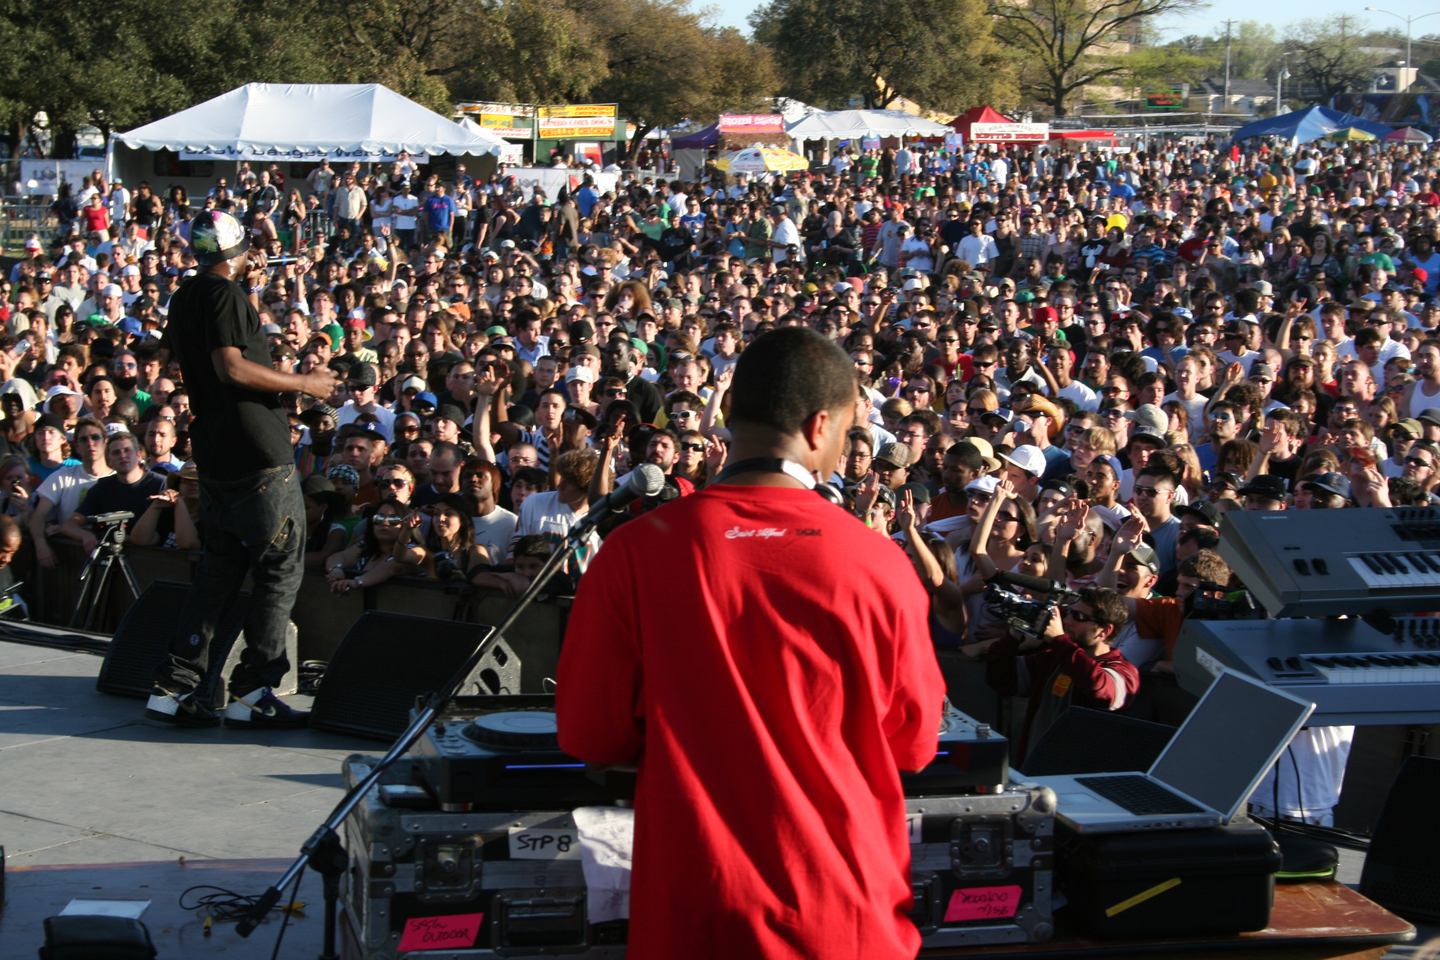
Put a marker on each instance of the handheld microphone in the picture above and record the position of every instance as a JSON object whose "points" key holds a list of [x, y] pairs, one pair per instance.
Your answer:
{"points": [[645, 480], [1025, 582]]}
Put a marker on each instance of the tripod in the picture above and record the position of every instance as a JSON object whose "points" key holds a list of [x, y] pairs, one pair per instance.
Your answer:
{"points": [[108, 553]]}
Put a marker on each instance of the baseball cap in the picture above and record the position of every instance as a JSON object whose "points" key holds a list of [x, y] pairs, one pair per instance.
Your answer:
{"points": [[1261, 370], [412, 383], [986, 451], [1332, 483], [111, 290], [1028, 458], [1149, 419], [425, 396], [1144, 555], [60, 390], [582, 374], [1208, 513], [1113, 462], [1407, 426], [896, 454], [1430, 416], [918, 491], [1266, 485], [362, 374], [982, 485]]}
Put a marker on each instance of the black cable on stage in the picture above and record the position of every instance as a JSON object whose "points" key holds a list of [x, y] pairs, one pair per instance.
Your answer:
{"points": [[294, 892]]}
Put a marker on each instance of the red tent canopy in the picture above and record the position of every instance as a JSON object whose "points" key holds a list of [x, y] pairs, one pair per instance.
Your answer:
{"points": [[1082, 134], [977, 115]]}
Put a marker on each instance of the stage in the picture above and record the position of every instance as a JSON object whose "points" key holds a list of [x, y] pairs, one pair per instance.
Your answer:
{"points": [[98, 803]]}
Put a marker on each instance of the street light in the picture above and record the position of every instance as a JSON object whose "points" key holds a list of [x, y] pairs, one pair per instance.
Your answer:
{"points": [[1408, 21]]}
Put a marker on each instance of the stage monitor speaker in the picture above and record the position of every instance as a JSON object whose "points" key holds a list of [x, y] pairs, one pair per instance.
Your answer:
{"points": [[387, 660], [1095, 741], [143, 639], [1401, 872]]}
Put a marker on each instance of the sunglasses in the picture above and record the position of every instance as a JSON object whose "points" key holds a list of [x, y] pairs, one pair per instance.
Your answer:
{"points": [[978, 497], [1417, 462], [1221, 417], [1079, 617], [392, 482], [693, 447], [385, 520]]}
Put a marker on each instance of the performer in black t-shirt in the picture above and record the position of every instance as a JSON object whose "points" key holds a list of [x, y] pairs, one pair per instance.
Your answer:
{"points": [[250, 503]]}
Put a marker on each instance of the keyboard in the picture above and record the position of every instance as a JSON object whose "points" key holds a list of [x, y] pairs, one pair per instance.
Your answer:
{"points": [[1301, 563], [1138, 795], [1352, 672]]}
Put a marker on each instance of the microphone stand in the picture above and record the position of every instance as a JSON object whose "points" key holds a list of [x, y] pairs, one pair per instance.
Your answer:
{"points": [[323, 852]]}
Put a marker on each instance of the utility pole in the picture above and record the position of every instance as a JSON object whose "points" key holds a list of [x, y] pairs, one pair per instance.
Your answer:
{"points": [[1227, 64]]}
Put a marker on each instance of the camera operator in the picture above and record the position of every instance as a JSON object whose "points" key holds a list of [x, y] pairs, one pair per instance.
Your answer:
{"points": [[130, 489], [1071, 662]]}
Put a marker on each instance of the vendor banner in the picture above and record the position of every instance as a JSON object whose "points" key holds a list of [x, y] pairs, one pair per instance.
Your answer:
{"points": [[752, 123], [1009, 132], [552, 180], [501, 119], [43, 177], [238, 152], [577, 121]]}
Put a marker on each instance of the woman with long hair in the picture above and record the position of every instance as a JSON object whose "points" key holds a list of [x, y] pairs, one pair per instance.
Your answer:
{"points": [[387, 549], [450, 551], [628, 300]]}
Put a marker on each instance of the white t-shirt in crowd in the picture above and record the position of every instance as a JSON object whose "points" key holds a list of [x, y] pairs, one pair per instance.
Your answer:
{"points": [[66, 488], [402, 212], [494, 531]]}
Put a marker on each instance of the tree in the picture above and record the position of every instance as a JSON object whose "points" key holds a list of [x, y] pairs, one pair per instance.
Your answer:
{"points": [[831, 51], [1068, 44], [1326, 54]]}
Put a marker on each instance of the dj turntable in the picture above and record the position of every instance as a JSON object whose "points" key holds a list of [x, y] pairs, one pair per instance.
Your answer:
{"points": [[971, 758], [503, 753]]}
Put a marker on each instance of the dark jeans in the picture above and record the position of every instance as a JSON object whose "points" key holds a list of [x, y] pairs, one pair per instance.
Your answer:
{"points": [[253, 525]]}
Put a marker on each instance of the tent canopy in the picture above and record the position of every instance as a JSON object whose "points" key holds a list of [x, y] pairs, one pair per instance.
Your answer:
{"points": [[1309, 124], [361, 121], [1082, 134], [961, 124], [856, 124]]}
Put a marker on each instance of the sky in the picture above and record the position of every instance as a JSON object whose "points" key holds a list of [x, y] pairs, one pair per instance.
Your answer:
{"points": [[1210, 19]]}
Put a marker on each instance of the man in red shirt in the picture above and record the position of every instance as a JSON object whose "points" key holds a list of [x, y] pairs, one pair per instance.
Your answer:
{"points": [[770, 689]]}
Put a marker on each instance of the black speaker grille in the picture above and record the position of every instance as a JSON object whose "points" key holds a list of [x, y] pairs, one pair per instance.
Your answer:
{"points": [[382, 665], [1401, 872], [143, 638], [1093, 741]]}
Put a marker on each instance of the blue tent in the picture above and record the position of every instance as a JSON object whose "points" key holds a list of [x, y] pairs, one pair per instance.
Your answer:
{"points": [[1309, 124]]}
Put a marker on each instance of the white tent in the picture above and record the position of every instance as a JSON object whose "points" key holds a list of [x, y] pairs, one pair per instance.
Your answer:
{"points": [[272, 121], [856, 124], [295, 123]]}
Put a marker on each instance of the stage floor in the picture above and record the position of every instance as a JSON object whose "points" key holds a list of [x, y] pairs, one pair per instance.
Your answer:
{"points": [[84, 779]]}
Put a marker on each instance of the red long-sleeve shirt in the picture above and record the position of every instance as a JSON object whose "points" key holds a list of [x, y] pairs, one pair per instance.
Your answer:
{"points": [[766, 657], [1054, 677]]}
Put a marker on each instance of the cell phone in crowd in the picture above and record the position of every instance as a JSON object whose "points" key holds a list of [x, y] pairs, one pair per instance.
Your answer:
{"points": [[21, 348]]}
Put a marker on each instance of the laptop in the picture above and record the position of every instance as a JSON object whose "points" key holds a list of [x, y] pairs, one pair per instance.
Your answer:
{"points": [[1207, 771]]}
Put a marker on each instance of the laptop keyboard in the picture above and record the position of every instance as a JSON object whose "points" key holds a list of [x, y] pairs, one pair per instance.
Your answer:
{"points": [[1138, 795]]}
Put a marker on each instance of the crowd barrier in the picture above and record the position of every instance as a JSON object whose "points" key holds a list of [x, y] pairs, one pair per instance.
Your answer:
{"points": [[322, 618]]}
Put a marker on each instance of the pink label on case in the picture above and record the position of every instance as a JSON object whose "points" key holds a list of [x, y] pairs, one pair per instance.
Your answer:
{"points": [[442, 933], [983, 903]]}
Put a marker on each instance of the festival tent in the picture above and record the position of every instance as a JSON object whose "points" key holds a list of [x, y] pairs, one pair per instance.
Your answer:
{"points": [[1408, 135], [962, 123], [858, 124], [1306, 125], [1082, 134], [271, 122]]}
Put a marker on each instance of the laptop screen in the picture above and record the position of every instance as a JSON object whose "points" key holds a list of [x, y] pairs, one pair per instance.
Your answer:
{"points": [[1230, 739]]}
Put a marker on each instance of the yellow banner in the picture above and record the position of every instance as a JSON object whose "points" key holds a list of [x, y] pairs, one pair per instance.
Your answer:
{"points": [[581, 110]]}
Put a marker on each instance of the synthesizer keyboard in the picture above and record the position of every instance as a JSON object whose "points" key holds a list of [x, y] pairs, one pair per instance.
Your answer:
{"points": [[1324, 562], [1353, 673]]}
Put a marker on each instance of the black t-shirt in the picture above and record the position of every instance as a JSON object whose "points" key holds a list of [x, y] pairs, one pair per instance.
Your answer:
{"points": [[644, 395], [111, 493], [235, 432]]}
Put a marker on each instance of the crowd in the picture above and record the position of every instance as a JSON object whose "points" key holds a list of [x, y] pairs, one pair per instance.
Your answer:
{"points": [[1070, 365]]}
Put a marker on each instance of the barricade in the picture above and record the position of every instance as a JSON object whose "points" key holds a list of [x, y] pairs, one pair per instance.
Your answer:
{"points": [[321, 617]]}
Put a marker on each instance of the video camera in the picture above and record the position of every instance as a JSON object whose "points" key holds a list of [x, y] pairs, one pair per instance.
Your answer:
{"points": [[1214, 601], [1028, 616]]}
